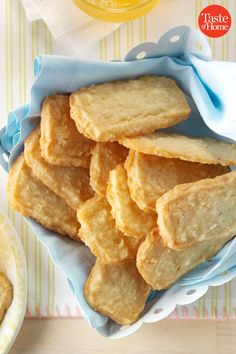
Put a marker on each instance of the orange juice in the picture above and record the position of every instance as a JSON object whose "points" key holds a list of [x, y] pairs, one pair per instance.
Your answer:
{"points": [[116, 10]]}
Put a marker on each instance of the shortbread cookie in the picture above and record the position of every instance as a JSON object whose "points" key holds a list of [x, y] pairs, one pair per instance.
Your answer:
{"points": [[204, 150], [117, 291], [30, 197], [149, 177], [113, 110], [60, 142], [199, 211]]}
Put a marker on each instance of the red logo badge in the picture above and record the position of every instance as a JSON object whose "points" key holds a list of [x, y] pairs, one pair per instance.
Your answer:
{"points": [[214, 21]]}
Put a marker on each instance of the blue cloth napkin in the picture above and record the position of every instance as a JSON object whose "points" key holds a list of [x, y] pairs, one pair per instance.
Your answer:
{"points": [[182, 54]]}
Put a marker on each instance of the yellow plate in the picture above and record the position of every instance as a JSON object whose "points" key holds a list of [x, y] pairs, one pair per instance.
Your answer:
{"points": [[13, 264]]}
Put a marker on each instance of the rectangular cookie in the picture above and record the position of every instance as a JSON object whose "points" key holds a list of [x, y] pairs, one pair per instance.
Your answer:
{"points": [[130, 220], [105, 156], [30, 197], [199, 211], [161, 266], [98, 231], [112, 110], [68, 182], [149, 177], [61, 143], [117, 291], [203, 150]]}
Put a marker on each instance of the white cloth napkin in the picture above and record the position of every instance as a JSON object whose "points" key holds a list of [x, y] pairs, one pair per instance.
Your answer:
{"points": [[66, 21]]}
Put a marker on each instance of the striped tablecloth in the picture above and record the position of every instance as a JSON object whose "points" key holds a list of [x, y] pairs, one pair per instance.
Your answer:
{"points": [[20, 42]]}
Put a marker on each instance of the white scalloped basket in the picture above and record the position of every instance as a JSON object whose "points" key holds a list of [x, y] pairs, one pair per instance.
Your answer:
{"points": [[183, 54], [13, 264]]}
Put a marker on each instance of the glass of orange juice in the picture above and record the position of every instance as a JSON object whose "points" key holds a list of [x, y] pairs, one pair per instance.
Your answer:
{"points": [[116, 10]]}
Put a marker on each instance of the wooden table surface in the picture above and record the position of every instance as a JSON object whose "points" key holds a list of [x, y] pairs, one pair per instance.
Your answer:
{"points": [[167, 337]]}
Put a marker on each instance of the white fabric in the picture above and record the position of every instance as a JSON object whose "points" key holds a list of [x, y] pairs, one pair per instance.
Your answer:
{"points": [[30, 10], [66, 21]]}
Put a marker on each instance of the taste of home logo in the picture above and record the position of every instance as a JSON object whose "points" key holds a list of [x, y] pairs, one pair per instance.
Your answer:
{"points": [[214, 21]]}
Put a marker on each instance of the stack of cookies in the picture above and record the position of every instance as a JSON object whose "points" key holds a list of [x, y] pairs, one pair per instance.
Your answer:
{"points": [[149, 204]]}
